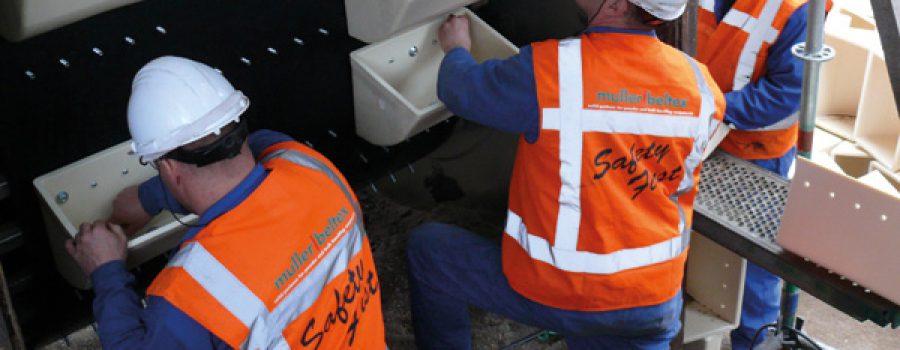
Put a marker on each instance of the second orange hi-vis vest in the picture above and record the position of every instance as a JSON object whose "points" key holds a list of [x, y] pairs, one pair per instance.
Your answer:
{"points": [[288, 268], [600, 206], [735, 51]]}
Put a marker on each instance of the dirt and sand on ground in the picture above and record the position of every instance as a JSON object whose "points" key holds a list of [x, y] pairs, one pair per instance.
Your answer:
{"points": [[388, 224]]}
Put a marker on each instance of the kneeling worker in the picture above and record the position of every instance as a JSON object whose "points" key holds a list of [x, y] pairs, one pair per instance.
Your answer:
{"points": [[278, 259], [614, 124]]}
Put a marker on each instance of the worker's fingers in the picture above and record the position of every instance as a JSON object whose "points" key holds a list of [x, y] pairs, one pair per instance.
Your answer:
{"points": [[116, 230], [82, 231], [85, 227], [70, 247]]}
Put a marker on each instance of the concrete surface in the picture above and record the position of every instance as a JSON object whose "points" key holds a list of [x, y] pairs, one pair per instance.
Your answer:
{"points": [[388, 224]]}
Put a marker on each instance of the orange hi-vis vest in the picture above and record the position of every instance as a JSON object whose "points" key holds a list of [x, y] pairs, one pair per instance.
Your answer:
{"points": [[735, 51], [288, 268], [600, 205]]}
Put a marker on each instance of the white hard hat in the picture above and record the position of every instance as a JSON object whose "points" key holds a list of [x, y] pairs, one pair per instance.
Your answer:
{"points": [[666, 10], [175, 101]]}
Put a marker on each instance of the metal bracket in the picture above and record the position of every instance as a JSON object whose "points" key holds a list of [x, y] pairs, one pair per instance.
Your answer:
{"points": [[826, 54]]}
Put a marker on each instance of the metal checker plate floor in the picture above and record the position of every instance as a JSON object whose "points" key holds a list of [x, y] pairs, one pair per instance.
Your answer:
{"points": [[748, 199]]}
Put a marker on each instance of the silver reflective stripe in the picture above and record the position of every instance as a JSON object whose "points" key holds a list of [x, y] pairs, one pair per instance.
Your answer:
{"points": [[760, 30], [708, 5], [708, 123], [587, 262], [615, 122], [313, 163], [219, 282], [266, 327], [309, 289], [571, 139], [783, 124]]}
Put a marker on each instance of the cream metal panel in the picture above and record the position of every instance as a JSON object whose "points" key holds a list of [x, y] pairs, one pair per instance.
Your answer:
{"points": [[845, 226], [395, 81], [22, 19], [83, 192]]}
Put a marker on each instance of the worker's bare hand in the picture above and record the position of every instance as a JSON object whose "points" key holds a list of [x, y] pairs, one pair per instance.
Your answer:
{"points": [[455, 33], [128, 211], [97, 244]]}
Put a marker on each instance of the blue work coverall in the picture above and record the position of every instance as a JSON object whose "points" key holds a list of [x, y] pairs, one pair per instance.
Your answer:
{"points": [[759, 104], [451, 268], [123, 323]]}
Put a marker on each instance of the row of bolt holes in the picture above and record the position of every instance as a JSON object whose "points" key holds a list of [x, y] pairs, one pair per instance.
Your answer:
{"points": [[97, 51], [856, 206], [62, 197], [830, 272]]}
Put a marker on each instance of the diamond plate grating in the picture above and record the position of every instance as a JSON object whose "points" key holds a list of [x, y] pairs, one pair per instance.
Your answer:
{"points": [[743, 196]]}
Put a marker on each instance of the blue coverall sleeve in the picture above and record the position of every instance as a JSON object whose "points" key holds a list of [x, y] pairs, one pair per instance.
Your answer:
{"points": [[123, 324], [155, 196], [497, 93], [776, 95]]}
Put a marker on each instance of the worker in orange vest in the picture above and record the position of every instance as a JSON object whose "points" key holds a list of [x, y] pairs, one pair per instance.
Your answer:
{"points": [[278, 259], [614, 123], [747, 46]]}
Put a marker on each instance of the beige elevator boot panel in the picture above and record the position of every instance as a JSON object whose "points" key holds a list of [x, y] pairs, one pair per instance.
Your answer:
{"points": [[83, 192]]}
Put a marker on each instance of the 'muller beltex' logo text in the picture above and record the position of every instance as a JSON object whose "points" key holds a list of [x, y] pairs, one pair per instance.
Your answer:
{"points": [[626, 97], [300, 258], [333, 223]]}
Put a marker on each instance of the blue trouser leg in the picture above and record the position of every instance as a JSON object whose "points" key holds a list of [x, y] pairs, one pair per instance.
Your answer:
{"points": [[451, 268], [762, 290], [762, 297]]}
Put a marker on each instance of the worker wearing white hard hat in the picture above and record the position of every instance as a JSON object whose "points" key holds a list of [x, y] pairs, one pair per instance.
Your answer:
{"points": [[234, 281], [614, 124]]}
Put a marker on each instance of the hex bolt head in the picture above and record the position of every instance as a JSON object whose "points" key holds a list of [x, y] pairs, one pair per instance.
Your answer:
{"points": [[62, 197]]}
